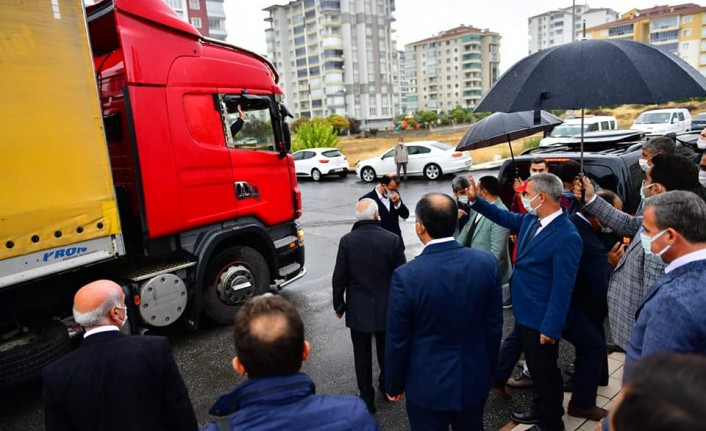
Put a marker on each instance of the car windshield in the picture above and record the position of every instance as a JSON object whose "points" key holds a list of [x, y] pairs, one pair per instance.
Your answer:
{"points": [[442, 146], [332, 153], [567, 130], [653, 118]]}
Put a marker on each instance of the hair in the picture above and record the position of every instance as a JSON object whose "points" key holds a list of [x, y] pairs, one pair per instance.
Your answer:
{"points": [[663, 392], [674, 172], [683, 211], [608, 196], [568, 171], [459, 183], [390, 178], [538, 161], [549, 184], [659, 145], [438, 213], [269, 337], [99, 315], [490, 184], [366, 209]]}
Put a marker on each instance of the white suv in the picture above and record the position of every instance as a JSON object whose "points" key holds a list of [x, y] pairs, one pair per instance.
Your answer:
{"points": [[572, 127], [661, 122]]}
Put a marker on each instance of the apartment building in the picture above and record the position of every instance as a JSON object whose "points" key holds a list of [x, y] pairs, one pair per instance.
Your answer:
{"points": [[555, 27], [208, 16], [680, 29], [454, 67], [335, 57]]}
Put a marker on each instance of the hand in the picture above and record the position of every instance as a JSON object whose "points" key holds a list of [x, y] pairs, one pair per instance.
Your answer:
{"points": [[471, 191], [395, 398], [462, 213], [395, 198], [241, 113], [587, 185], [615, 254], [543, 339], [517, 182]]}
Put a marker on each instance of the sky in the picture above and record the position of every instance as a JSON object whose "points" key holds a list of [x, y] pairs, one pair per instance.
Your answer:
{"points": [[419, 19]]}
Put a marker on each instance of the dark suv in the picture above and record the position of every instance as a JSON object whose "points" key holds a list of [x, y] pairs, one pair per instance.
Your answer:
{"points": [[610, 159]]}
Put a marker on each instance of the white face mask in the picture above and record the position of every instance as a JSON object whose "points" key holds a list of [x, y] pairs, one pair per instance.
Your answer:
{"points": [[702, 178], [463, 199], [643, 196], [643, 164], [527, 203], [701, 144], [125, 311], [647, 244]]}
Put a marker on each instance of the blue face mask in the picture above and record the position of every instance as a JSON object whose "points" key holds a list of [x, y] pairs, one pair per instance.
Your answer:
{"points": [[527, 203], [567, 194], [647, 244], [463, 199]]}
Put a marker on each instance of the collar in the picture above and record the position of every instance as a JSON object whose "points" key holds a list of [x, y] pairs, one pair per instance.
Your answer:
{"points": [[583, 218], [544, 222], [98, 330], [380, 196], [361, 223], [687, 258], [437, 241], [266, 392]]}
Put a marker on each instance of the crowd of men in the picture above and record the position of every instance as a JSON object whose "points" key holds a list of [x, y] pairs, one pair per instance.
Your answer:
{"points": [[572, 260]]}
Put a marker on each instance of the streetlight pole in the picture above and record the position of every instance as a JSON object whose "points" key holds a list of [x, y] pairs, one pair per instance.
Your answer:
{"points": [[573, 20]]}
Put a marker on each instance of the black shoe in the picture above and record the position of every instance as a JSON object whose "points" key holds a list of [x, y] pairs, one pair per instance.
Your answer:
{"points": [[539, 428], [525, 417], [369, 403]]}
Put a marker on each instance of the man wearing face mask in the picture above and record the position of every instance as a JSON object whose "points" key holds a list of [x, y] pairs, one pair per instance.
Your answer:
{"points": [[549, 250], [635, 271], [459, 186], [537, 166], [390, 206], [659, 145], [114, 381], [671, 317]]}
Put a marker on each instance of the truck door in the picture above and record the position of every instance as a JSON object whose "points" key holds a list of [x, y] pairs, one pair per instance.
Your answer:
{"points": [[261, 178]]}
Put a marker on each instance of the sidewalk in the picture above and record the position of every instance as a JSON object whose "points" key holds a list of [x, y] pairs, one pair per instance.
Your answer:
{"points": [[604, 399]]}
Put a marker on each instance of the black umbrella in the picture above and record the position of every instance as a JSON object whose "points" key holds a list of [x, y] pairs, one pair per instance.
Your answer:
{"points": [[503, 127], [592, 73]]}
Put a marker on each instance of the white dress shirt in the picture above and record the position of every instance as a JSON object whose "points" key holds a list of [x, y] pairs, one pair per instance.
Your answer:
{"points": [[438, 241], [544, 222], [100, 329], [687, 258]]}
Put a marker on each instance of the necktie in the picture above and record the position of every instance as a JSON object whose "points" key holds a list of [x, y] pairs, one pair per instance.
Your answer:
{"points": [[531, 233]]}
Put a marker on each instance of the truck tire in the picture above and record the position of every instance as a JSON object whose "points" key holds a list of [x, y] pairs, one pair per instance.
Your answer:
{"points": [[23, 361], [233, 277]]}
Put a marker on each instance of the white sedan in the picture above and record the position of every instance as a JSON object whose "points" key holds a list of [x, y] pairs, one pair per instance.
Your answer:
{"points": [[318, 162], [430, 159]]}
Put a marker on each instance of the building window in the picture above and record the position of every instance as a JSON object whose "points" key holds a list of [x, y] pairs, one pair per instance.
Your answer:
{"points": [[196, 22], [685, 45], [194, 4], [686, 32], [372, 111], [686, 19]]}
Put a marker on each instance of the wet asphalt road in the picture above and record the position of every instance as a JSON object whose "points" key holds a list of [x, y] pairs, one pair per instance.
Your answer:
{"points": [[204, 356]]}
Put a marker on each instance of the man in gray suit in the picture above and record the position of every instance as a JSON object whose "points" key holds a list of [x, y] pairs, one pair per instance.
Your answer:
{"points": [[636, 271], [482, 234]]}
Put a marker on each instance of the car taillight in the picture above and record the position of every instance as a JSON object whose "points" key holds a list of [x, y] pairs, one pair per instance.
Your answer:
{"points": [[457, 154], [323, 161]]}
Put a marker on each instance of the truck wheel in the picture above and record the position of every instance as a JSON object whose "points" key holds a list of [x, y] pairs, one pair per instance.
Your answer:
{"points": [[23, 357], [233, 277]]}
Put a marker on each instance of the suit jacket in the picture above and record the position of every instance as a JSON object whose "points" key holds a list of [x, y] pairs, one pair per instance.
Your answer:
{"points": [[490, 237], [367, 256], [117, 382], [633, 275], [591, 286], [389, 220], [671, 318], [545, 270], [444, 324]]}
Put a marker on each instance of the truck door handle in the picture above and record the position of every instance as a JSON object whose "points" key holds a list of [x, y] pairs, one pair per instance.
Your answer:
{"points": [[244, 190]]}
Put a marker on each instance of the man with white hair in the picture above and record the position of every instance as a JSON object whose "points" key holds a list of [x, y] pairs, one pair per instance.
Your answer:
{"points": [[367, 256], [114, 381]]}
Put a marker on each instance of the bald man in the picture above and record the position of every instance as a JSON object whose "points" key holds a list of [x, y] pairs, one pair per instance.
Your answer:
{"points": [[270, 344], [367, 256], [114, 381]]}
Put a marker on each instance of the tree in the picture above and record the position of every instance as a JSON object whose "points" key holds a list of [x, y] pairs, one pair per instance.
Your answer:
{"points": [[314, 134], [427, 116], [445, 121], [354, 125], [459, 114], [296, 124], [338, 122]]}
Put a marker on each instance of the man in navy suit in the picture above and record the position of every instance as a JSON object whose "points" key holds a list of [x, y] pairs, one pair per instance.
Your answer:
{"points": [[443, 326], [390, 205], [114, 381], [548, 254]]}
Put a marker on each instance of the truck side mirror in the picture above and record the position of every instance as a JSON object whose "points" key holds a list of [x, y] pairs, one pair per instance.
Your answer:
{"points": [[287, 135]]}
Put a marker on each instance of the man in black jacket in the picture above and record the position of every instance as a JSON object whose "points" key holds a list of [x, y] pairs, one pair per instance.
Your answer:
{"points": [[114, 381], [367, 256], [390, 206]]}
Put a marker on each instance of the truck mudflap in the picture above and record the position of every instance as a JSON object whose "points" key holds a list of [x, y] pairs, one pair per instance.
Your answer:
{"points": [[54, 260]]}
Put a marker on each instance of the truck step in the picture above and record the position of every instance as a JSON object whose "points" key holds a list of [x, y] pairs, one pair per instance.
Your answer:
{"points": [[140, 271]]}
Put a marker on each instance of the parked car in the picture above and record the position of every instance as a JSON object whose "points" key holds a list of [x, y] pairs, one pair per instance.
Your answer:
{"points": [[430, 159], [698, 122], [319, 162], [660, 122], [572, 127]]}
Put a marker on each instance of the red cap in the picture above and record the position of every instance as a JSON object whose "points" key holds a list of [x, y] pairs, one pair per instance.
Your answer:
{"points": [[522, 187]]}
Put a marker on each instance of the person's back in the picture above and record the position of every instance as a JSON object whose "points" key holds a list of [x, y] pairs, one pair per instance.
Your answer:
{"points": [[269, 340]]}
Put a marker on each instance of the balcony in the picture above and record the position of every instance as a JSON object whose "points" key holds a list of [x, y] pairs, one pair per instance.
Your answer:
{"points": [[329, 6]]}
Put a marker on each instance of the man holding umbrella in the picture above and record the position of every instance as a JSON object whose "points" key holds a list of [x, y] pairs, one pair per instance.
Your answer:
{"points": [[549, 250]]}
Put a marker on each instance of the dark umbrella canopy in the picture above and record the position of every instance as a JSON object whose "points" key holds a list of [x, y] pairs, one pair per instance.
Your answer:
{"points": [[501, 128], [591, 73]]}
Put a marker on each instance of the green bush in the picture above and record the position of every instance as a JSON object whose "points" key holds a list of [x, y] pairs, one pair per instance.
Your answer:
{"points": [[373, 132], [315, 134]]}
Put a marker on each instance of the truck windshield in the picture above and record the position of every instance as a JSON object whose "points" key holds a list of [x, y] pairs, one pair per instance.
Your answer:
{"points": [[567, 130], [653, 118], [254, 130]]}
